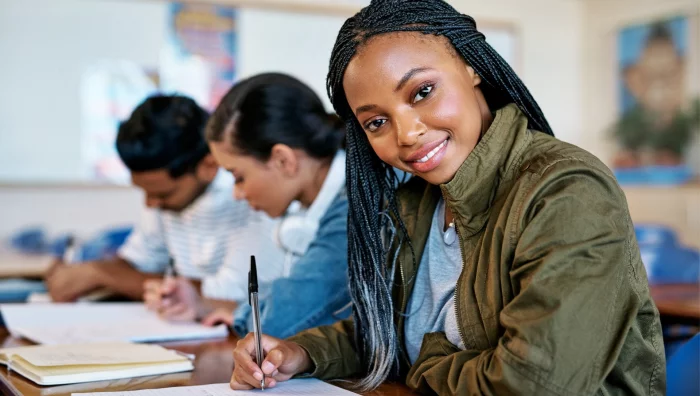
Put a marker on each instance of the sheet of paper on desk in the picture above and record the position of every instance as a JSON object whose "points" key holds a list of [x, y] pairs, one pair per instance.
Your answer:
{"points": [[105, 322], [295, 387]]}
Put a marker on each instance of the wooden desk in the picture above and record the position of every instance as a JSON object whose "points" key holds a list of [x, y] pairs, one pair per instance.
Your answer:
{"points": [[678, 304], [15, 265], [214, 364]]}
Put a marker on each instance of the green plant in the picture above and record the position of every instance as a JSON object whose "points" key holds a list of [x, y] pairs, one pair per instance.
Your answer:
{"points": [[640, 129]]}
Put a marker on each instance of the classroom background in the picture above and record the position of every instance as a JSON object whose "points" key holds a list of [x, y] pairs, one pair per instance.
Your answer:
{"points": [[619, 78]]}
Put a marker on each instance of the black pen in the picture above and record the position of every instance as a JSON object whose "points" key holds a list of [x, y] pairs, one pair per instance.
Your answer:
{"points": [[253, 301], [170, 273]]}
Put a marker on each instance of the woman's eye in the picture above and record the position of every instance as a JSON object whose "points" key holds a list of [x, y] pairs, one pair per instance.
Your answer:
{"points": [[374, 125], [422, 93]]}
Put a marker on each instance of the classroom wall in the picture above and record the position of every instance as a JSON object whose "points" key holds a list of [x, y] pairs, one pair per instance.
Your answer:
{"points": [[45, 46], [549, 63], [551, 40], [80, 209]]}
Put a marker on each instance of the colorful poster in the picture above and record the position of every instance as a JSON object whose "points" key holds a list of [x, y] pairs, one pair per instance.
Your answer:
{"points": [[658, 119], [198, 59], [110, 90]]}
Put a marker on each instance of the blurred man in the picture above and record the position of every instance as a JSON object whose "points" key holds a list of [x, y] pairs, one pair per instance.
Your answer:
{"points": [[190, 216]]}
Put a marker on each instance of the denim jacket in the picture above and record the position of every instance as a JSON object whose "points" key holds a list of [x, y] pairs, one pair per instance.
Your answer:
{"points": [[316, 291]]}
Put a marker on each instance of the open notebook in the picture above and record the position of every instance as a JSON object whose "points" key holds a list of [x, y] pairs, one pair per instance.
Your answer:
{"points": [[295, 387], [68, 364], [77, 323]]}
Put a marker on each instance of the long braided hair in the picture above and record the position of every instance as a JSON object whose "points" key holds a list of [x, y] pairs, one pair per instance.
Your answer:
{"points": [[371, 183]]}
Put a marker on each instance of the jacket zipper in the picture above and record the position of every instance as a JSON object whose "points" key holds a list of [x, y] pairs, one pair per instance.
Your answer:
{"points": [[464, 260]]}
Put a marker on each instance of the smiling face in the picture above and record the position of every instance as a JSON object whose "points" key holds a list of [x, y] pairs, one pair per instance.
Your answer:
{"points": [[418, 102]]}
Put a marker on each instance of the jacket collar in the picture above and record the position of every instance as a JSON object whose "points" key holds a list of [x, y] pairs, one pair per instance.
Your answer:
{"points": [[471, 192]]}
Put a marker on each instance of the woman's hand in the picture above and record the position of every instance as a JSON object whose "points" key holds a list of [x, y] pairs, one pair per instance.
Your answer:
{"points": [[283, 360]]}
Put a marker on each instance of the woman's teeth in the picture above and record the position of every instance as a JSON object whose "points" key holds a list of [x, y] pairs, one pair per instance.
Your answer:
{"points": [[432, 152]]}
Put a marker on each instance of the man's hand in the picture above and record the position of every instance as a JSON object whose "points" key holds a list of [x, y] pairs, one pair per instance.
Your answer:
{"points": [[67, 283], [174, 299]]}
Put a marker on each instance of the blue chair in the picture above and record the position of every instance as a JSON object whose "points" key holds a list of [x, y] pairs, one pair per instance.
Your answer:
{"points": [[654, 235], [105, 245], [683, 370], [671, 264], [665, 260], [31, 240]]}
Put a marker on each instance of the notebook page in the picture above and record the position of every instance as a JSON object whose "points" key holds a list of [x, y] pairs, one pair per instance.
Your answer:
{"points": [[93, 354], [295, 387]]}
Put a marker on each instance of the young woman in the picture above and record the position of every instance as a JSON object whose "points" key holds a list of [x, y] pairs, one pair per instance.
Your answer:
{"points": [[273, 134], [507, 265]]}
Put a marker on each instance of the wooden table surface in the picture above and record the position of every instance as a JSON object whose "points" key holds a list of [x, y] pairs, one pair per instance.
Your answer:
{"points": [[678, 303], [214, 364]]}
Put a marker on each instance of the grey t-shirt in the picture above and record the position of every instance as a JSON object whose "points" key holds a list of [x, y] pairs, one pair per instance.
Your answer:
{"points": [[431, 307]]}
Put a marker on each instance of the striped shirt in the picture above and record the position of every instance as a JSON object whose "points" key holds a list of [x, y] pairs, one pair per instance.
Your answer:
{"points": [[211, 240]]}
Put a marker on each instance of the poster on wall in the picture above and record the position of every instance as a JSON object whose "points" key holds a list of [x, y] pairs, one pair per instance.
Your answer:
{"points": [[658, 118], [110, 90], [198, 59]]}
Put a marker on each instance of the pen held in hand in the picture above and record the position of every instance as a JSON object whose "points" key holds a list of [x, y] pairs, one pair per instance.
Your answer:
{"points": [[253, 300], [170, 273]]}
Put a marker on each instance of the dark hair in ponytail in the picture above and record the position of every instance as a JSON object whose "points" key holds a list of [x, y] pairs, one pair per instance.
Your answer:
{"points": [[371, 182], [273, 108]]}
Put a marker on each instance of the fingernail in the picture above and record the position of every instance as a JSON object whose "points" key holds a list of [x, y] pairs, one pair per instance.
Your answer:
{"points": [[273, 383], [257, 376], [267, 367]]}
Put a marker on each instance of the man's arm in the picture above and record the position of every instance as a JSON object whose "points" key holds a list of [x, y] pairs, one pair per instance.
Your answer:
{"points": [[119, 276], [70, 282]]}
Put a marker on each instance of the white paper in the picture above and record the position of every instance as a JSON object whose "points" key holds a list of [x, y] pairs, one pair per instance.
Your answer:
{"points": [[106, 322], [295, 387]]}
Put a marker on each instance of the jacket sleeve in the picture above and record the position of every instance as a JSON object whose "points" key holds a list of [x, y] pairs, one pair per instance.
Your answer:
{"points": [[331, 349], [573, 301]]}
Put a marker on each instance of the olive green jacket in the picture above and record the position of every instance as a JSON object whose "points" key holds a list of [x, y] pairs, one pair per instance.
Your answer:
{"points": [[552, 298]]}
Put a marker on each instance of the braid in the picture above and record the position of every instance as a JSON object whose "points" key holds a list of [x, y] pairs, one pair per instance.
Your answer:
{"points": [[371, 183]]}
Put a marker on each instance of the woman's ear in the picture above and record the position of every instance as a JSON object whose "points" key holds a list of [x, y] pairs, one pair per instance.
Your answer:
{"points": [[284, 159], [207, 168], [476, 79]]}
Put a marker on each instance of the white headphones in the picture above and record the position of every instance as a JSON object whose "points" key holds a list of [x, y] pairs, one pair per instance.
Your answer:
{"points": [[298, 227]]}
